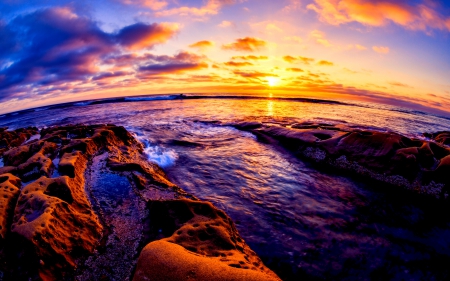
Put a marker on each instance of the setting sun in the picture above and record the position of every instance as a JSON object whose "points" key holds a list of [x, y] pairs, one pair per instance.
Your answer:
{"points": [[272, 81]]}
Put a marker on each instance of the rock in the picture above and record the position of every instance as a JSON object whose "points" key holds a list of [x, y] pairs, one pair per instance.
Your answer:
{"points": [[55, 216], [384, 156], [81, 214], [202, 243], [165, 261], [9, 192]]}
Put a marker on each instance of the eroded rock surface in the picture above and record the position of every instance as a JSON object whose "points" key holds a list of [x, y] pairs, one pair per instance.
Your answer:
{"points": [[78, 203], [211, 248], [419, 165]]}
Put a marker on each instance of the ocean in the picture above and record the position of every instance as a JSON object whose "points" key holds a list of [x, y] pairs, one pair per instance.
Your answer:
{"points": [[304, 221]]}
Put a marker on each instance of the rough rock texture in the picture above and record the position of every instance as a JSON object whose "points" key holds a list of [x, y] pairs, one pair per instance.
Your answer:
{"points": [[9, 192], [211, 248], [10, 139], [419, 165], [83, 211]]}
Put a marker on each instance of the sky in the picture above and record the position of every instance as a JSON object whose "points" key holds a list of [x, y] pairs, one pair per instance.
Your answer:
{"points": [[394, 52]]}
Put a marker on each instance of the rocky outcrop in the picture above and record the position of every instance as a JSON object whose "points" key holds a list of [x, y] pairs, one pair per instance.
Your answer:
{"points": [[416, 164], [201, 243], [83, 213]]}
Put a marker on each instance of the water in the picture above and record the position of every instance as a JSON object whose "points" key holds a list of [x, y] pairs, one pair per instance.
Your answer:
{"points": [[303, 221]]}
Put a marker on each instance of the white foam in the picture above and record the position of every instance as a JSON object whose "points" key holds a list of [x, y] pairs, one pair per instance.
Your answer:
{"points": [[163, 157], [82, 103]]}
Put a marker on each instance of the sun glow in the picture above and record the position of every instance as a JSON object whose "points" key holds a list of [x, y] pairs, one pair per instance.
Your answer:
{"points": [[272, 81]]}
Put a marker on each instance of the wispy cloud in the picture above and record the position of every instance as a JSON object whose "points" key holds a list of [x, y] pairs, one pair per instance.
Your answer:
{"points": [[416, 15], [304, 60], [247, 44], [202, 45], [381, 49], [250, 57]]}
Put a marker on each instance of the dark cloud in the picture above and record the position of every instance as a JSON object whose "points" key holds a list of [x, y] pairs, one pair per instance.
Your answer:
{"points": [[55, 46], [179, 63], [145, 36]]}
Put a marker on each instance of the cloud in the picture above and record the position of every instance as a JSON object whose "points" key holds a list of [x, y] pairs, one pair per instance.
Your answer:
{"points": [[415, 15], [360, 47], [325, 63], [319, 37], [295, 39], [145, 36], [179, 63], [304, 60], [295, 69], [398, 84], [250, 57], [238, 64], [52, 49], [212, 7], [254, 74], [151, 4], [225, 23], [202, 45], [247, 44], [381, 49]]}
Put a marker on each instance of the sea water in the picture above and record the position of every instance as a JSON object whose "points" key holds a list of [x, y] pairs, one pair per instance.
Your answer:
{"points": [[303, 221]]}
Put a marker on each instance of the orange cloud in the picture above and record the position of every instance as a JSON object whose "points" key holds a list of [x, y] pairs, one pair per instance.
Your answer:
{"points": [[202, 44], [140, 36], [295, 69], [251, 57], [254, 74], [381, 49], [248, 44], [319, 37], [421, 16], [325, 63], [398, 84], [238, 64], [304, 60]]}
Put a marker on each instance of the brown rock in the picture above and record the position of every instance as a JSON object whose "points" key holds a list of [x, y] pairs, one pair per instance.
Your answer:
{"points": [[9, 192], [55, 216], [211, 248]]}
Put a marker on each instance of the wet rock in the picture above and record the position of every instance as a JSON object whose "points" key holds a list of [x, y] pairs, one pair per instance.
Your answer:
{"points": [[386, 156], [201, 243], [83, 212]]}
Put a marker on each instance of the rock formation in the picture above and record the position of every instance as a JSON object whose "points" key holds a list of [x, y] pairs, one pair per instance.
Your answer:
{"points": [[81, 202], [416, 164]]}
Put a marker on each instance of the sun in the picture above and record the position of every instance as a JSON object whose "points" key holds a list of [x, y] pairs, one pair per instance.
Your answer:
{"points": [[272, 81]]}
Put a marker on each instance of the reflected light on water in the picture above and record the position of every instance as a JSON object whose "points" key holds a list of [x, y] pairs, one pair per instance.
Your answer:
{"points": [[270, 108]]}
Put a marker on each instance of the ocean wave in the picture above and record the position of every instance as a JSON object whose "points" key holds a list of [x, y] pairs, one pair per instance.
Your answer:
{"points": [[161, 156], [150, 98], [83, 103]]}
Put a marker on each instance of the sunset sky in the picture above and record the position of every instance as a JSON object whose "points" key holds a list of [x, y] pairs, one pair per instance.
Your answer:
{"points": [[388, 51]]}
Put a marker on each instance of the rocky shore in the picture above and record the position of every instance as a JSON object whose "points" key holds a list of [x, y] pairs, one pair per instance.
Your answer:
{"points": [[421, 165], [83, 203]]}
